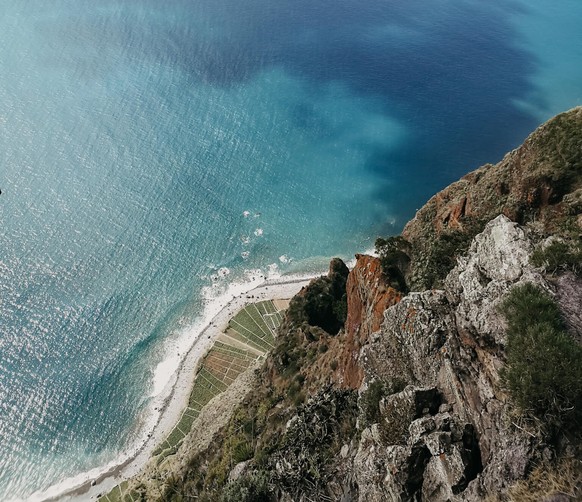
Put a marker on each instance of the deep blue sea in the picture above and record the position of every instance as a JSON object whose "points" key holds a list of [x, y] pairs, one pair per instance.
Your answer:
{"points": [[153, 152]]}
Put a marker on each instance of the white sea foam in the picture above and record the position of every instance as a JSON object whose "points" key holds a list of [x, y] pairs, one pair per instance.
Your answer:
{"points": [[223, 272], [164, 371], [164, 380]]}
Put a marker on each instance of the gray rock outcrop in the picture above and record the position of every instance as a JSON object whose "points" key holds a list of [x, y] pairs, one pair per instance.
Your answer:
{"points": [[461, 444]]}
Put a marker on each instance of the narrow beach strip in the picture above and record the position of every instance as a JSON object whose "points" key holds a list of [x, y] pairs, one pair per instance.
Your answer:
{"points": [[172, 410]]}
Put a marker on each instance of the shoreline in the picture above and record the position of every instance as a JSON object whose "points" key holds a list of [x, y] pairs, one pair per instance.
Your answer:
{"points": [[90, 487]]}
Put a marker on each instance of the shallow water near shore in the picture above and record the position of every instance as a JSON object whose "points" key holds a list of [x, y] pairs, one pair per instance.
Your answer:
{"points": [[153, 153]]}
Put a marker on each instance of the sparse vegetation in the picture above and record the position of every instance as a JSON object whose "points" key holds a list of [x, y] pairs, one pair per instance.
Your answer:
{"points": [[250, 488], [557, 257], [544, 363], [547, 482], [444, 251], [370, 399], [324, 302], [371, 402]]}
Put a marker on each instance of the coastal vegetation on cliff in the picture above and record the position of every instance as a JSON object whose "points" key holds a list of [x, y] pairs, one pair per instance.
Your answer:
{"points": [[448, 368], [544, 363]]}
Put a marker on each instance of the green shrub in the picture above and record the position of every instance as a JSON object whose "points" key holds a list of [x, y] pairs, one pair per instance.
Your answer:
{"points": [[556, 257], [442, 253], [298, 399], [242, 451], [371, 402], [323, 302], [249, 488], [544, 364], [293, 389], [394, 259], [173, 489], [261, 458]]}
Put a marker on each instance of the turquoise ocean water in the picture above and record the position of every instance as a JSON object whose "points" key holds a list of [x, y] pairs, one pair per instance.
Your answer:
{"points": [[152, 153]]}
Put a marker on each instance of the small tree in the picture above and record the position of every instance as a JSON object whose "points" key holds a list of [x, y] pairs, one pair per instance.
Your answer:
{"points": [[248, 488]]}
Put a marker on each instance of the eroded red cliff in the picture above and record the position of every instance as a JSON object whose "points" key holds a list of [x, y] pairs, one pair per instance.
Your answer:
{"points": [[368, 297]]}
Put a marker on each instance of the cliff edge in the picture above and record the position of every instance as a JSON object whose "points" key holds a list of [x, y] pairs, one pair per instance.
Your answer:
{"points": [[448, 368]]}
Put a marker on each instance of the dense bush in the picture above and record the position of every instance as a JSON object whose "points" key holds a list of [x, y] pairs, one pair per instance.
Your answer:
{"points": [[443, 252], [323, 302], [544, 363], [242, 451], [393, 253]]}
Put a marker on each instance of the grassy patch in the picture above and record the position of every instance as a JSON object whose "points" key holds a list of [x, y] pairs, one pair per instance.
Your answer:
{"points": [[250, 488], [370, 399], [546, 482], [370, 402], [444, 251]]}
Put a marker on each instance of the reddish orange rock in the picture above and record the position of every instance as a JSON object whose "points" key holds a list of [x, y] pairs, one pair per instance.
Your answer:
{"points": [[368, 297]]}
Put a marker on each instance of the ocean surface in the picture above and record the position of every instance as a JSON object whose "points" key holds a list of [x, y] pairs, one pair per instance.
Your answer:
{"points": [[154, 152]]}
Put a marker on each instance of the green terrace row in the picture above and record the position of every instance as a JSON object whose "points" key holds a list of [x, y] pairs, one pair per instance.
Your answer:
{"points": [[206, 386], [255, 327], [273, 320], [251, 318], [243, 335], [235, 351], [120, 494]]}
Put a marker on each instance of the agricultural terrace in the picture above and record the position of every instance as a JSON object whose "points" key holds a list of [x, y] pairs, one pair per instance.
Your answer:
{"points": [[249, 336]]}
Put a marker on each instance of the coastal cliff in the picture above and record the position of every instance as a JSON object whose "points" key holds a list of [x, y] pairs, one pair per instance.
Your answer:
{"points": [[448, 368]]}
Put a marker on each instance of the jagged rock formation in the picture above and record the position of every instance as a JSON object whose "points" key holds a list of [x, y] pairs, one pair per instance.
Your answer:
{"points": [[451, 433], [449, 343]]}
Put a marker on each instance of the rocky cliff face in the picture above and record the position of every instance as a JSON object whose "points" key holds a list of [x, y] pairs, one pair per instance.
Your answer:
{"points": [[435, 421], [368, 296], [404, 398], [539, 182], [448, 435]]}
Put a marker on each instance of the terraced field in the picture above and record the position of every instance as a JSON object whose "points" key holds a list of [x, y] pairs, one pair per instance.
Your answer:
{"points": [[249, 336]]}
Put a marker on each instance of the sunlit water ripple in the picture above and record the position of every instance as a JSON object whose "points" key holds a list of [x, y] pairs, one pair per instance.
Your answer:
{"points": [[153, 152]]}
